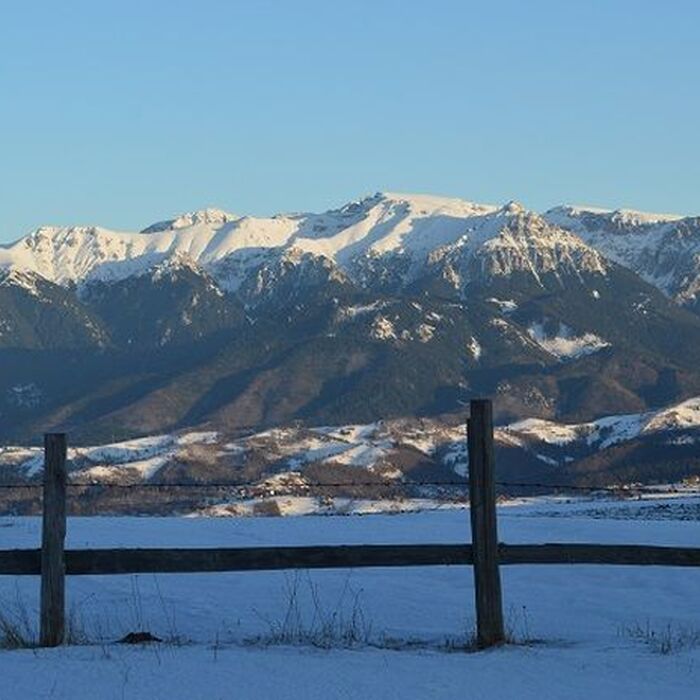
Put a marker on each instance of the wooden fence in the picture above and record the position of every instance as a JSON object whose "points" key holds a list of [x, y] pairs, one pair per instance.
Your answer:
{"points": [[485, 553]]}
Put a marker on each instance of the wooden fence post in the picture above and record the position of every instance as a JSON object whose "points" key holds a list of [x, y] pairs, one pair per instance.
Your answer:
{"points": [[482, 500], [53, 534]]}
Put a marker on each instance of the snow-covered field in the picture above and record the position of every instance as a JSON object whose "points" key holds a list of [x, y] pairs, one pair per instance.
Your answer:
{"points": [[581, 631]]}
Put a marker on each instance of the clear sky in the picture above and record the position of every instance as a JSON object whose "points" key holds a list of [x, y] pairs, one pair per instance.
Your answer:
{"points": [[122, 113]]}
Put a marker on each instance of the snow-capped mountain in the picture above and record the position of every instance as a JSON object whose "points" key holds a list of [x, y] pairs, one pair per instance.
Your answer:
{"points": [[378, 235], [386, 236], [663, 248], [391, 306], [407, 231]]}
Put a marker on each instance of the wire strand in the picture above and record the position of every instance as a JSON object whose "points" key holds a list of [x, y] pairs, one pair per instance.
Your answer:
{"points": [[320, 484]]}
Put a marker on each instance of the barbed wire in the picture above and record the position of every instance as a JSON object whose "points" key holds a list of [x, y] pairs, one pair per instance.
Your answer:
{"points": [[464, 483], [239, 484]]}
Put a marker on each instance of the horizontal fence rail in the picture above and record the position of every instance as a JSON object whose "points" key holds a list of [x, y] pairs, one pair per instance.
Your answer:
{"points": [[140, 561]]}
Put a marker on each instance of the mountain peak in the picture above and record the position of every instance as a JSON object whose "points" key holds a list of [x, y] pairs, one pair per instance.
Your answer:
{"points": [[628, 217], [209, 216], [434, 204], [28, 280], [513, 208], [639, 218]]}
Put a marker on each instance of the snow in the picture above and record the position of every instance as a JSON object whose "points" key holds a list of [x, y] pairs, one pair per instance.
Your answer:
{"points": [[527, 243], [457, 459], [375, 447], [350, 313], [292, 506], [564, 344], [563, 214], [662, 248], [127, 451], [545, 431], [144, 468], [683, 415], [499, 323], [425, 332], [382, 329], [474, 348], [350, 433], [316, 450], [578, 618], [208, 437], [610, 430], [229, 246], [415, 228], [141, 457], [365, 455], [352, 445], [358, 445], [505, 306], [14, 276], [203, 216], [186, 673]]}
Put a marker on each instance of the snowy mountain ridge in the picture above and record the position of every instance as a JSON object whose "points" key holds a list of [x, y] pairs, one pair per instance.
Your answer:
{"points": [[664, 249], [230, 247]]}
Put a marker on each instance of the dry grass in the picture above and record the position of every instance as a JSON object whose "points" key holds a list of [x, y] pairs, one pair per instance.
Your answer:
{"points": [[345, 626], [666, 639]]}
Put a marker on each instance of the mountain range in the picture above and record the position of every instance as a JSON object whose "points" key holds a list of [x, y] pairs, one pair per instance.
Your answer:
{"points": [[390, 307]]}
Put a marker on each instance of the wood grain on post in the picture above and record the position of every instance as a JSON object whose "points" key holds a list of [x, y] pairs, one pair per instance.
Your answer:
{"points": [[53, 535], [482, 499]]}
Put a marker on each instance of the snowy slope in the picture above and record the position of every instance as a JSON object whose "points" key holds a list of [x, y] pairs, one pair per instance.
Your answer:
{"points": [[564, 343], [580, 629], [407, 231], [295, 461], [663, 248], [131, 459], [379, 224], [611, 430], [413, 227]]}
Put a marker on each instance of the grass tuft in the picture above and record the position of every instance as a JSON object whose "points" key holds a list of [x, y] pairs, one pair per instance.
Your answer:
{"points": [[667, 639]]}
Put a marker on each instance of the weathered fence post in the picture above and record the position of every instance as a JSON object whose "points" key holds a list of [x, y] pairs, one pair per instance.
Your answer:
{"points": [[482, 500], [53, 535]]}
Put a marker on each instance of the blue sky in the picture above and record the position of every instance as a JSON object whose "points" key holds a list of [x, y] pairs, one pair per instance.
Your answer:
{"points": [[122, 113]]}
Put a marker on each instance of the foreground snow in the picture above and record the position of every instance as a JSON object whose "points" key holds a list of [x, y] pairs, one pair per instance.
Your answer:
{"points": [[199, 672], [572, 622]]}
